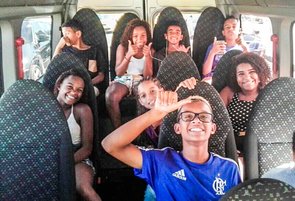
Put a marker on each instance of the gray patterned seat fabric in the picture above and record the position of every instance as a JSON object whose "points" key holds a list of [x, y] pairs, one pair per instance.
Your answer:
{"points": [[175, 68], [166, 15], [221, 77], [222, 142], [36, 153], [66, 61], [128, 105], [117, 34], [260, 189], [94, 35], [209, 25], [268, 140]]}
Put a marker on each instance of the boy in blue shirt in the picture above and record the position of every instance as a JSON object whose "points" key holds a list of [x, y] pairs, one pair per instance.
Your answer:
{"points": [[192, 174]]}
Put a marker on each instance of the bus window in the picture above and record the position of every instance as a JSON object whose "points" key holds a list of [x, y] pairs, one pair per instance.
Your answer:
{"points": [[293, 51], [191, 22], [257, 32], [36, 32], [109, 21], [1, 67]]}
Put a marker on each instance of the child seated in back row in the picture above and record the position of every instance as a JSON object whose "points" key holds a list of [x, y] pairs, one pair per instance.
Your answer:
{"points": [[133, 61], [90, 56], [232, 41], [173, 37]]}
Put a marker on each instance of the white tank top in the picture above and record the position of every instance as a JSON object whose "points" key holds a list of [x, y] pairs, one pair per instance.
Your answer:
{"points": [[136, 66], [75, 128]]}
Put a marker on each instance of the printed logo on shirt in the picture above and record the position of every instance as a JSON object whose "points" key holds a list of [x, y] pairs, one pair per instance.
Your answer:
{"points": [[218, 185], [180, 175]]}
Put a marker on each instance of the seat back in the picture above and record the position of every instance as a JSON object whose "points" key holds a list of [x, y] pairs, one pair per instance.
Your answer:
{"points": [[37, 160], [209, 25], [222, 142], [221, 77], [127, 105], [175, 68], [64, 62], [260, 189], [166, 15], [268, 140], [94, 35], [117, 34]]}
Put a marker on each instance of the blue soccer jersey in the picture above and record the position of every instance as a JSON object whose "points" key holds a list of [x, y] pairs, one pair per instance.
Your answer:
{"points": [[174, 178]]}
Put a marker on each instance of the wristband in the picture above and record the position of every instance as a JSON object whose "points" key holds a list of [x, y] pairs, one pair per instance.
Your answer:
{"points": [[126, 58]]}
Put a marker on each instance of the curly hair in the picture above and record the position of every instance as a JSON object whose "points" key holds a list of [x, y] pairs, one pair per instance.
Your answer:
{"points": [[127, 34], [64, 75], [257, 62]]}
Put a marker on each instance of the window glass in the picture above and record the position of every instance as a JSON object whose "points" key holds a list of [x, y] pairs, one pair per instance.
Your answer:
{"points": [[257, 32], [36, 32], [293, 48], [191, 22], [109, 21], [1, 66]]}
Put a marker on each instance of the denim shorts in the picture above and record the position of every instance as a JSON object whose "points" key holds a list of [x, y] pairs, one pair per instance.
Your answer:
{"points": [[128, 80]]}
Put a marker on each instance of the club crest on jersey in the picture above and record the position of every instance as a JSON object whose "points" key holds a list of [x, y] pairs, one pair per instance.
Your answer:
{"points": [[218, 185]]}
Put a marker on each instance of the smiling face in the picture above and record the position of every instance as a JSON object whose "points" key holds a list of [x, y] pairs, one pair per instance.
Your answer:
{"points": [[70, 90], [247, 77], [147, 93], [139, 37], [174, 35], [195, 131]]}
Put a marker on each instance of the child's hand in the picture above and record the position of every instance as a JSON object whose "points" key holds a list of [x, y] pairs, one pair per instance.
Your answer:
{"points": [[132, 50], [66, 41], [219, 47], [188, 83], [147, 50], [240, 41], [182, 48], [167, 101]]}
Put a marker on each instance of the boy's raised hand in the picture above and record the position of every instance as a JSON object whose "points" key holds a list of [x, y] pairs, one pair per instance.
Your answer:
{"points": [[241, 42], [182, 48], [219, 47]]}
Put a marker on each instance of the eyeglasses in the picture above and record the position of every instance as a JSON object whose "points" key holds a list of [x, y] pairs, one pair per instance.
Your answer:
{"points": [[204, 117]]}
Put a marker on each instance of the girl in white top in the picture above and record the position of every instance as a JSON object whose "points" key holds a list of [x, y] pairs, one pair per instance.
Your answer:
{"points": [[133, 60], [69, 89]]}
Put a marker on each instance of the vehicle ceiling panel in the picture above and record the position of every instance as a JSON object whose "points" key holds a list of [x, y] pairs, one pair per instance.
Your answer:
{"points": [[9, 3], [238, 2], [110, 3], [262, 3], [184, 3]]}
